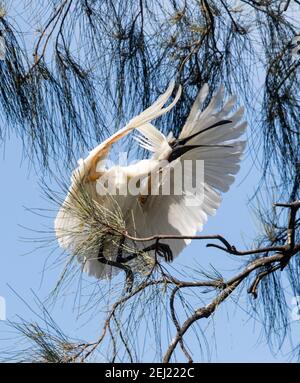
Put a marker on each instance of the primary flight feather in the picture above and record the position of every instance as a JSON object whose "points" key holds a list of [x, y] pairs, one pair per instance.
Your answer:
{"points": [[210, 136]]}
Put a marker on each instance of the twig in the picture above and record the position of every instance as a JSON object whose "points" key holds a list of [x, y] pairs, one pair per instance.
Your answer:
{"points": [[176, 323], [253, 288]]}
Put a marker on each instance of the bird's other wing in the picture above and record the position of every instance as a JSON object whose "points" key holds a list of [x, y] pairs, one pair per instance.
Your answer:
{"points": [[142, 122]]}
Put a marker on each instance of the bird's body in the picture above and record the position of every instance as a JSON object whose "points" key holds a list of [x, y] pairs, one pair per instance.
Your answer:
{"points": [[136, 191]]}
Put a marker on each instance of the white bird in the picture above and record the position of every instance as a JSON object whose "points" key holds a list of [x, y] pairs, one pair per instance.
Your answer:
{"points": [[211, 135]]}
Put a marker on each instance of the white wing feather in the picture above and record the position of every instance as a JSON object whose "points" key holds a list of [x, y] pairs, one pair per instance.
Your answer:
{"points": [[172, 214]]}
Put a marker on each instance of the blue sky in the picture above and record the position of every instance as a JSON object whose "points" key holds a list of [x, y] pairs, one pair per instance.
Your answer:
{"points": [[232, 334]]}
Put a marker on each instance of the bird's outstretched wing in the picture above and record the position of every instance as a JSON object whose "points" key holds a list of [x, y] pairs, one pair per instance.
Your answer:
{"points": [[211, 135]]}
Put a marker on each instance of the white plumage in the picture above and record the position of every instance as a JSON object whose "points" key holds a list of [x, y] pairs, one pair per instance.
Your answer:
{"points": [[211, 135]]}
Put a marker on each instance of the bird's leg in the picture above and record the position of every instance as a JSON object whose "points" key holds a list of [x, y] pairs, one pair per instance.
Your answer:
{"points": [[120, 258], [129, 274], [101, 257]]}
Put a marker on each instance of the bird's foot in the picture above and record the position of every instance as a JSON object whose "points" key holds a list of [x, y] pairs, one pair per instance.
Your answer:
{"points": [[161, 249]]}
